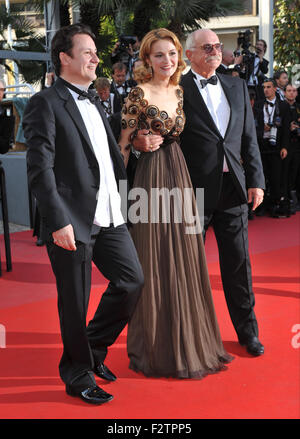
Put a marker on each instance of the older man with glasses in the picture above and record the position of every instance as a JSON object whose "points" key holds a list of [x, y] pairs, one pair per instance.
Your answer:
{"points": [[222, 154]]}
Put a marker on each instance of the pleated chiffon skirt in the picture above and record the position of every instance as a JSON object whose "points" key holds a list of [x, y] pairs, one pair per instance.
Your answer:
{"points": [[174, 330]]}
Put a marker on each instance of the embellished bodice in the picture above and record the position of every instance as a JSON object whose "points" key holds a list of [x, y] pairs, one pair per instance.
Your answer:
{"points": [[139, 114]]}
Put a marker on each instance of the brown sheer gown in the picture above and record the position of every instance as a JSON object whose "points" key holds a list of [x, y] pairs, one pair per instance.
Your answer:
{"points": [[173, 331]]}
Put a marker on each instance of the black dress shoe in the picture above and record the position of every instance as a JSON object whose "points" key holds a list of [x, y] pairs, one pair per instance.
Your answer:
{"points": [[91, 395], [253, 346], [103, 372]]}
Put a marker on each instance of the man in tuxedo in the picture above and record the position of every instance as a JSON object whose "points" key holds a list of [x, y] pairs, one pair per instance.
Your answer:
{"points": [[274, 149], [74, 166], [290, 135], [228, 59], [282, 79], [222, 154], [108, 100], [221, 151], [120, 86]]}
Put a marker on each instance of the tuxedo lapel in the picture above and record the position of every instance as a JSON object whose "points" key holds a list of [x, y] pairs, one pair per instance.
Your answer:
{"points": [[232, 96], [194, 97], [73, 111]]}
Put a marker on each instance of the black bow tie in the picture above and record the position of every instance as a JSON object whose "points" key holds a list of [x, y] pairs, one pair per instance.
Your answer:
{"points": [[270, 103], [91, 95], [212, 80]]}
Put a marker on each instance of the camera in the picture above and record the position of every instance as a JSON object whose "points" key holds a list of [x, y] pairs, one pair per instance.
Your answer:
{"points": [[277, 121], [272, 141], [125, 41], [121, 54], [244, 41]]}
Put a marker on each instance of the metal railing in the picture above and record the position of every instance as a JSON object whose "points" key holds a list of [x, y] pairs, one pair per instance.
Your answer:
{"points": [[18, 89]]}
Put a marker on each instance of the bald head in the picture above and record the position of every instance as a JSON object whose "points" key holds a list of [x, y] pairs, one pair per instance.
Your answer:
{"points": [[227, 57], [202, 52], [200, 36]]}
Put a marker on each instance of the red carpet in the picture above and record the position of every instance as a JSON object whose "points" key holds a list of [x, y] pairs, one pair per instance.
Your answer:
{"points": [[252, 388]]}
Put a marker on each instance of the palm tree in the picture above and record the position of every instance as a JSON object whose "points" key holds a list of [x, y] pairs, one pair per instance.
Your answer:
{"points": [[140, 16]]}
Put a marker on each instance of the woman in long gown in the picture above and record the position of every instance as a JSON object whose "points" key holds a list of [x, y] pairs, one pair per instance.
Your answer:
{"points": [[174, 330]]}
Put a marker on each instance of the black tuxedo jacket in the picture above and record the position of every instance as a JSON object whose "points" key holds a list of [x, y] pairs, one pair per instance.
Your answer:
{"points": [[222, 69], [204, 147], [289, 113], [6, 132], [63, 171], [258, 111]]}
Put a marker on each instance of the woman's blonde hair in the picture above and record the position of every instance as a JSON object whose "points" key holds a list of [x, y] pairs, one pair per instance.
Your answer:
{"points": [[144, 72]]}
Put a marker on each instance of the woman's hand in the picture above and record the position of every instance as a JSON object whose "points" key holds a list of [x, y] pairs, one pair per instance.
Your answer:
{"points": [[147, 142]]}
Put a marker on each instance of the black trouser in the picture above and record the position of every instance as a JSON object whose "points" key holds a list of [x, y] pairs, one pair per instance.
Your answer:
{"points": [[113, 252], [230, 224], [274, 171], [294, 167]]}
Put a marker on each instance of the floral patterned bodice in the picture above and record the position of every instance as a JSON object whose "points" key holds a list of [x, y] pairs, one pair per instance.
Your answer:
{"points": [[137, 113]]}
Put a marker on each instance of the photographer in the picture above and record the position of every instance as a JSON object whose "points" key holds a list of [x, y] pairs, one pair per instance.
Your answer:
{"points": [[228, 59], [108, 100], [7, 123], [291, 129], [120, 87], [254, 66], [282, 79], [126, 51], [274, 149]]}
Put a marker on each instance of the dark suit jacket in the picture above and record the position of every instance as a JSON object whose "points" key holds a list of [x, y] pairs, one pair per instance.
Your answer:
{"points": [[63, 171], [258, 111], [222, 69], [204, 147], [289, 113], [6, 132], [119, 99]]}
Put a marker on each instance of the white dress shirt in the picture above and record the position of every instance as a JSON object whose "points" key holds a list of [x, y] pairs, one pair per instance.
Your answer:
{"points": [[218, 106], [253, 77], [108, 209], [269, 116], [108, 105]]}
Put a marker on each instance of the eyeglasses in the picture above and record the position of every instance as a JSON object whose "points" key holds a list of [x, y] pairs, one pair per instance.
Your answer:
{"points": [[208, 48]]}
